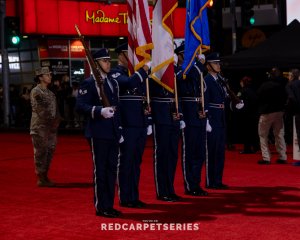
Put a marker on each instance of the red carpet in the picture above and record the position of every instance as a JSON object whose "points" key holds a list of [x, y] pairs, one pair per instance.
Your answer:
{"points": [[263, 202]]}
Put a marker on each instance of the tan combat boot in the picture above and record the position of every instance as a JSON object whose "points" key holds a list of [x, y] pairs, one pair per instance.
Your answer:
{"points": [[44, 181]]}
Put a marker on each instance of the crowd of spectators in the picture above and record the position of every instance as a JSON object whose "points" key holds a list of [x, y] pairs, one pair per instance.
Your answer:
{"points": [[20, 107]]}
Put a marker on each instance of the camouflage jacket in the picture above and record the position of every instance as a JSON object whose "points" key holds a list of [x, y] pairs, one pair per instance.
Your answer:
{"points": [[45, 113]]}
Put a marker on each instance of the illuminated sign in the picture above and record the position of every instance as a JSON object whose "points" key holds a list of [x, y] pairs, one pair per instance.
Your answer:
{"points": [[13, 62], [58, 17], [52, 49], [100, 17], [79, 72]]}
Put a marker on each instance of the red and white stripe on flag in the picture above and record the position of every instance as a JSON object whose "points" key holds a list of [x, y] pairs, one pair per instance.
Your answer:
{"points": [[162, 36], [139, 34]]}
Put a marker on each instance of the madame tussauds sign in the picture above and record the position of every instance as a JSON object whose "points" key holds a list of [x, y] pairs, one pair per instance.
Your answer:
{"points": [[99, 16], [58, 18]]}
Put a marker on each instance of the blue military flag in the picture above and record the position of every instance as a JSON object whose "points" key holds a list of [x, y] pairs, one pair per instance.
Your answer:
{"points": [[196, 32]]}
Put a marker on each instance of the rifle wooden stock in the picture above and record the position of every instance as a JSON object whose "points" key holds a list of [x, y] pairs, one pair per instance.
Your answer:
{"points": [[95, 69]]}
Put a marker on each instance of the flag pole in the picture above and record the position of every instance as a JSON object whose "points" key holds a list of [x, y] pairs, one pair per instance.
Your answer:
{"points": [[176, 98], [202, 92], [148, 108]]}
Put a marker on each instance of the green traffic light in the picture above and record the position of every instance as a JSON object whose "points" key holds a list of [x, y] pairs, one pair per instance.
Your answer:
{"points": [[252, 20], [15, 40]]}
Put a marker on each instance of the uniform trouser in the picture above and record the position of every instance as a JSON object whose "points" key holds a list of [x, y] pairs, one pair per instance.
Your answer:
{"points": [[166, 139], [193, 155], [266, 121], [105, 159], [44, 145], [216, 155], [132, 150]]}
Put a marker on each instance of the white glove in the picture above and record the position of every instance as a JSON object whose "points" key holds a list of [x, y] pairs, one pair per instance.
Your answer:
{"points": [[148, 64], [107, 112], [121, 139], [240, 105], [201, 57], [208, 127], [182, 124], [175, 59], [149, 130]]}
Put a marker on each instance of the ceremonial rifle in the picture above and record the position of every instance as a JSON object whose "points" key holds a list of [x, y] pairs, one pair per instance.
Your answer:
{"points": [[234, 98], [95, 69]]}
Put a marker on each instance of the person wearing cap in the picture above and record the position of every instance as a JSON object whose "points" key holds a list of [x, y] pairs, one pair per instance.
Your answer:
{"points": [[103, 132], [215, 97], [194, 134], [45, 120], [135, 124], [167, 124]]}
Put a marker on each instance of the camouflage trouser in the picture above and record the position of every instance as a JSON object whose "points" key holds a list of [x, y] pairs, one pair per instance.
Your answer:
{"points": [[44, 147]]}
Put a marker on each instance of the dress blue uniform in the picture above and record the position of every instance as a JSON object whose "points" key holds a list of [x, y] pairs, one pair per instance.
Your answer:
{"points": [[104, 135], [215, 97], [194, 134], [134, 123], [166, 136]]}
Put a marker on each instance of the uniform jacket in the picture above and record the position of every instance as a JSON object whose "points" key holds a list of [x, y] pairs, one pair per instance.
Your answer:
{"points": [[132, 96], [45, 114], [215, 97], [89, 104], [162, 105], [190, 95]]}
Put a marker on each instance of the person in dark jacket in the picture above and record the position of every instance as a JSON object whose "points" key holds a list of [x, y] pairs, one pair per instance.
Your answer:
{"points": [[135, 125], [216, 96], [194, 134], [271, 104], [103, 129], [249, 116], [293, 102]]}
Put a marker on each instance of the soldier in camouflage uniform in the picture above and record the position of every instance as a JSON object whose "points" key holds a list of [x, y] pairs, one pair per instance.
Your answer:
{"points": [[43, 127]]}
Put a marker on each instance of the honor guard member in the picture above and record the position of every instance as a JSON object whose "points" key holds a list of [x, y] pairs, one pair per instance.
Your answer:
{"points": [[134, 123], [194, 134], [166, 133], [45, 120], [103, 130], [215, 97]]}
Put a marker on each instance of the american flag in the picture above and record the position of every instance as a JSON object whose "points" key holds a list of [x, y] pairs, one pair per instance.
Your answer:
{"points": [[139, 34], [162, 35]]}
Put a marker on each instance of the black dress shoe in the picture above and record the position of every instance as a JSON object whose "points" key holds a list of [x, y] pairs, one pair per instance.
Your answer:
{"points": [[221, 186], [217, 186], [127, 204], [280, 161], [139, 204], [175, 197], [166, 199], [133, 204], [199, 192], [118, 213], [109, 213], [263, 162], [297, 164]]}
